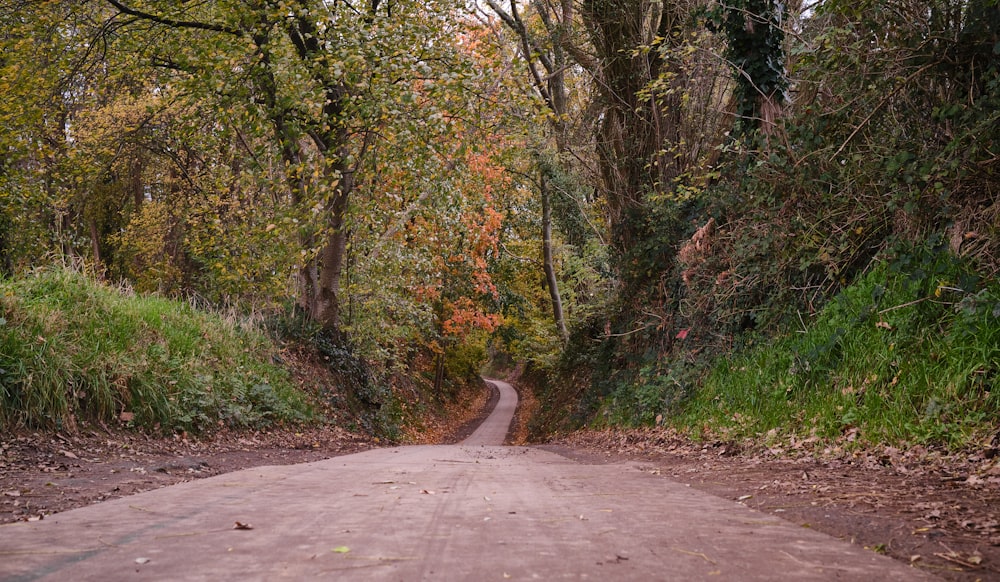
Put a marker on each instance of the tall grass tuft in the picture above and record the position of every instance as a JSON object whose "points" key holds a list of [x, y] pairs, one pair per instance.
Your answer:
{"points": [[73, 349]]}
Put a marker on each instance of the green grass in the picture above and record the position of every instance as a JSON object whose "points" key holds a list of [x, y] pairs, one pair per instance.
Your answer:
{"points": [[901, 356], [72, 349]]}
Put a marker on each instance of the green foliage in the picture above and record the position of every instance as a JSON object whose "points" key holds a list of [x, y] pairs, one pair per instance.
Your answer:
{"points": [[653, 393], [880, 148], [568, 202], [861, 234], [363, 390], [528, 334], [900, 356], [72, 349], [378, 165], [755, 49], [638, 404], [464, 362]]}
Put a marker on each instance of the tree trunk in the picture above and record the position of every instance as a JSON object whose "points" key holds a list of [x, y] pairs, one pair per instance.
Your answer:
{"points": [[439, 373], [333, 257], [95, 246], [135, 184], [552, 89], [636, 135], [547, 263]]}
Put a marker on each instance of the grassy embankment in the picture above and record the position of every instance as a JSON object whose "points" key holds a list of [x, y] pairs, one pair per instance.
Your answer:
{"points": [[896, 358], [74, 350]]}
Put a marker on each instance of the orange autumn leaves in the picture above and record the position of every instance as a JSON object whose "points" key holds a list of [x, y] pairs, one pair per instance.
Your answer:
{"points": [[466, 291], [439, 198], [465, 314]]}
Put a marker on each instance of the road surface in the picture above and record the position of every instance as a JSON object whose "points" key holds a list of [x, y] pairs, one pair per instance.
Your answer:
{"points": [[474, 511]]}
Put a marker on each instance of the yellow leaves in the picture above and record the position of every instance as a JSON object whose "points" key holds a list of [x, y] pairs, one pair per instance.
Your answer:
{"points": [[108, 125]]}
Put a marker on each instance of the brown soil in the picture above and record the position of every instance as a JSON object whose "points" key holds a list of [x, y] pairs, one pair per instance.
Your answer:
{"points": [[42, 474], [938, 512]]}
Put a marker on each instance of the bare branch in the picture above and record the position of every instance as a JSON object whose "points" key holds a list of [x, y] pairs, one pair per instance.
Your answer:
{"points": [[174, 23]]}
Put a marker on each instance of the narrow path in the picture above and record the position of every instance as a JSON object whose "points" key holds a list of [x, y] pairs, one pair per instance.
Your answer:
{"points": [[493, 430], [458, 512]]}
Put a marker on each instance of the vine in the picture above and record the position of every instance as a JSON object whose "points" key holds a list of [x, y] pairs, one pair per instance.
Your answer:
{"points": [[755, 50]]}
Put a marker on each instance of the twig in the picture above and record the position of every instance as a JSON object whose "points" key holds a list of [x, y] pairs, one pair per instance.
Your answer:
{"points": [[637, 330], [880, 105], [956, 560], [698, 554], [888, 309]]}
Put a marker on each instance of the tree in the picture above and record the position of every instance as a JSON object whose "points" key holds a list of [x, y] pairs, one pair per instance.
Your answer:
{"points": [[546, 53], [755, 48], [327, 78]]}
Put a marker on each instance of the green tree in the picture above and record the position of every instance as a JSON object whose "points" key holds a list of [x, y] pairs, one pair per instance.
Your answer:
{"points": [[326, 78]]}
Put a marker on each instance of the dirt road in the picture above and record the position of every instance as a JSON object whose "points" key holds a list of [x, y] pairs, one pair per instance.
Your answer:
{"points": [[463, 512]]}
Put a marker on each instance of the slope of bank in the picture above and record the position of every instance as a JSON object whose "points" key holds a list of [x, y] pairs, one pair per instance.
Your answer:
{"points": [[73, 351]]}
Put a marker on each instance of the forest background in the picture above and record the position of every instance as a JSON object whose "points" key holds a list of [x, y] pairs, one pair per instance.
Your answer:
{"points": [[749, 219]]}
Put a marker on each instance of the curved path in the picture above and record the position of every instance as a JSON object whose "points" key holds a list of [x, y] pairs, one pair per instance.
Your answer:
{"points": [[456, 512], [493, 430]]}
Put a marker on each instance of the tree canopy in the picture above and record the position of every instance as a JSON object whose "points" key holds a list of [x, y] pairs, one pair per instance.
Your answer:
{"points": [[632, 189]]}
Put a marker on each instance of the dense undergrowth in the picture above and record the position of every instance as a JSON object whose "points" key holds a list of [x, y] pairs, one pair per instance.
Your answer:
{"points": [[72, 349], [899, 356], [908, 353], [836, 273], [405, 402]]}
